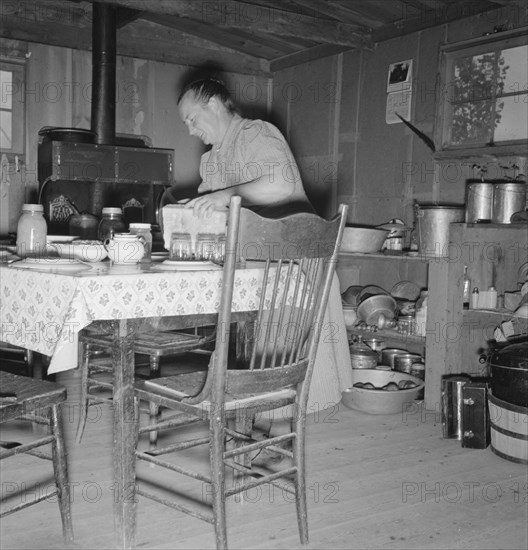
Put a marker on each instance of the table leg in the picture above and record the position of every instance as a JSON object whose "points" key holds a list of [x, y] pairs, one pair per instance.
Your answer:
{"points": [[124, 435]]}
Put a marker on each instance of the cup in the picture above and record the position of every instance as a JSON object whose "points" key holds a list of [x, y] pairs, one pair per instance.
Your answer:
{"points": [[205, 246], [180, 247]]}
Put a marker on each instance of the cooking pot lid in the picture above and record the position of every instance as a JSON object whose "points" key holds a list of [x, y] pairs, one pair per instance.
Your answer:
{"points": [[512, 356], [362, 350]]}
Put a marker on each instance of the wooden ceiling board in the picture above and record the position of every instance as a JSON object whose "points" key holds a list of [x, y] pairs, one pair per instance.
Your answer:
{"points": [[245, 36]]}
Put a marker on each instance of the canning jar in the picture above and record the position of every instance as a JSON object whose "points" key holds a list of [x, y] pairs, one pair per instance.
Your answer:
{"points": [[142, 230], [31, 231], [111, 222]]}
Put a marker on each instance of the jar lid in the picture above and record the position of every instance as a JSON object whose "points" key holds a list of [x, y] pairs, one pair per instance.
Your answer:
{"points": [[33, 207], [139, 225], [112, 210]]}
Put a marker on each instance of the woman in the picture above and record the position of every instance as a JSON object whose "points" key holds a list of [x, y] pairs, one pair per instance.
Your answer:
{"points": [[247, 157], [252, 159]]}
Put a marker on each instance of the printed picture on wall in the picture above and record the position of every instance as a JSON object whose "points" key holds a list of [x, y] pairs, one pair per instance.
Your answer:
{"points": [[400, 76]]}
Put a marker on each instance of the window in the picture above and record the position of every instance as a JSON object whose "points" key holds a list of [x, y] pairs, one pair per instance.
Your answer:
{"points": [[485, 94], [12, 122]]}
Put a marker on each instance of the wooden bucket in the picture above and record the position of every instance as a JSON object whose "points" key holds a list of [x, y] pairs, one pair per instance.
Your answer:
{"points": [[508, 430]]}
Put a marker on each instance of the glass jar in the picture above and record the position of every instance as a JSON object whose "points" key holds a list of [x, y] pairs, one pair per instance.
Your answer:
{"points": [[31, 231], [142, 230], [111, 222]]}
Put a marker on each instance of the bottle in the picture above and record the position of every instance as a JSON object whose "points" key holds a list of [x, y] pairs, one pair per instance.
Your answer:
{"points": [[142, 230], [111, 222], [475, 298], [466, 289], [492, 297], [31, 231]]}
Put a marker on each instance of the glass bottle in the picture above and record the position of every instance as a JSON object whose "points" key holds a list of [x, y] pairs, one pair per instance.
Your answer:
{"points": [[31, 231], [143, 231], [466, 289], [111, 222]]}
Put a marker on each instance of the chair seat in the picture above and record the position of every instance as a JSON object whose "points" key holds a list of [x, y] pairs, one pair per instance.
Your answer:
{"points": [[37, 401], [31, 395], [181, 386]]}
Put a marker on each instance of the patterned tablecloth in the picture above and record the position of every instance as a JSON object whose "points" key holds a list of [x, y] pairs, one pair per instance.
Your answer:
{"points": [[44, 310]]}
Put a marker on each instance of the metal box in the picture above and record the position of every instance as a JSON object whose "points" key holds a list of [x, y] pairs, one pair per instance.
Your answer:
{"points": [[475, 415]]}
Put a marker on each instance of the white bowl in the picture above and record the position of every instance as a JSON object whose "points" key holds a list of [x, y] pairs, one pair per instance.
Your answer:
{"points": [[378, 401], [85, 251]]}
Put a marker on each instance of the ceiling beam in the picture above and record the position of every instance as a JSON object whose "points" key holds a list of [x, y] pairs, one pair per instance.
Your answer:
{"points": [[229, 14], [141, 40], [211, 34], [305, 56], [413, 21]]}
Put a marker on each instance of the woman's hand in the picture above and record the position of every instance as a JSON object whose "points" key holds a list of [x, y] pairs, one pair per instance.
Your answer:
{"points": [[205, 205]]}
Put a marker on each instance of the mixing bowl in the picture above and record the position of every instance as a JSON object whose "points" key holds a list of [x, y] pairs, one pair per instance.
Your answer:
{"points": [[357, 238]]}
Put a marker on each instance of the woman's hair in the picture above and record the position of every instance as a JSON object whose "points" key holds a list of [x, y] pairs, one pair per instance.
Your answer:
{"points": [[203, 90]]}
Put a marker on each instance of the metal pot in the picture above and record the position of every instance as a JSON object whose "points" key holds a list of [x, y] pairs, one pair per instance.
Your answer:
{"points": [[362, 357], [508, 198], [479, 202], [433, 226], [403, 362], [509, 374]]}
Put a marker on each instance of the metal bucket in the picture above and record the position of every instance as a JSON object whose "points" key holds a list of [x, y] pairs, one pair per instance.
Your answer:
{"points": [[451, 398], [433, 227], [479, 202], [508, 198]]}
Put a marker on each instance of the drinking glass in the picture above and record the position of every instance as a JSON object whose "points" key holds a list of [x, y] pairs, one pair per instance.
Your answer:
{"points": [[180, 247]]}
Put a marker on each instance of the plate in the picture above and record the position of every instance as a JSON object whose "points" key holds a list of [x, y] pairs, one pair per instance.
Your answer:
{"points": [[51, 264], [159, 256], [190, 265], [84, 251], [61, 238]]}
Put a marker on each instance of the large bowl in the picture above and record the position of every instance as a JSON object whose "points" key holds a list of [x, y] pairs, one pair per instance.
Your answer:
{"points": [[358, 238], [371, 309], [378, 401]]}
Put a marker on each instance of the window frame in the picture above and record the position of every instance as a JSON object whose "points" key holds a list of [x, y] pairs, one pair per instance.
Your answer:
{"points": [[18, 105], [450, 52]]}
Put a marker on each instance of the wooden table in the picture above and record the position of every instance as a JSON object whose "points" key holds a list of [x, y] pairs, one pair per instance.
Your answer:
{"points": [[44, 310]]}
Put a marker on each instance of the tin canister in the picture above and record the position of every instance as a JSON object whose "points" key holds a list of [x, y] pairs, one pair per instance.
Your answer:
{"points": [[404, 362], [451, 402], [388, 355], [479, 202], [508, 198], [418, 370]]}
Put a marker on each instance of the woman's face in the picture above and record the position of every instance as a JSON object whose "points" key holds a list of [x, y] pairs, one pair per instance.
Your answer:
{"points": [[201, 119]]}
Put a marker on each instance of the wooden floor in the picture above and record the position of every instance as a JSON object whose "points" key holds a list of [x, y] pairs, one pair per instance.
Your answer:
{"points": [[373, 482]]}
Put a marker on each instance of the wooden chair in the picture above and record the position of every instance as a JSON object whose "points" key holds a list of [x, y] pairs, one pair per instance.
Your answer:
{"points": [[97, 371], [297, 255], [37, 401]]}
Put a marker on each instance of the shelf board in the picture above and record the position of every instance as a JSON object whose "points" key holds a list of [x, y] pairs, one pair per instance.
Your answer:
{"points": [[389, 334], [392, 256]]}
